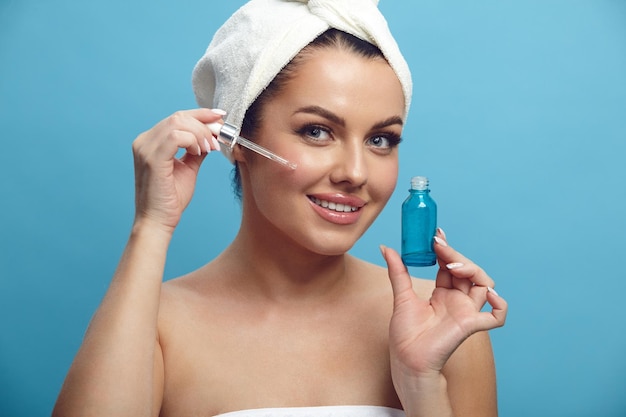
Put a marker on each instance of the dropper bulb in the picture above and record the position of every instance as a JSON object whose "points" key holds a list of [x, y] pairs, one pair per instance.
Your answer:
{"points": [[215, 128]]}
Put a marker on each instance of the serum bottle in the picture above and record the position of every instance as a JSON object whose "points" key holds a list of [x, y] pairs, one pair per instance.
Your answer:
{"points": [[419, 224]]}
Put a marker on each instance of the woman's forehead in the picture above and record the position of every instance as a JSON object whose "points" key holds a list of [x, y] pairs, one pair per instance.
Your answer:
{"points": [[341, 77]]}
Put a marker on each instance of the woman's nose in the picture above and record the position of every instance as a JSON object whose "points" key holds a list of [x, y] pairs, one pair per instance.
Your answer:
{"points": [[350, 166]]}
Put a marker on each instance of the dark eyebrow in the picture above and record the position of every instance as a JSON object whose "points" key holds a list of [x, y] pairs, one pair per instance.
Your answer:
{"points": [[393, 120], [320, 111]]}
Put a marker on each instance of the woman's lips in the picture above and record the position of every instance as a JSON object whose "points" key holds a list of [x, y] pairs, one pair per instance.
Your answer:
{"points": [[336, 208]]}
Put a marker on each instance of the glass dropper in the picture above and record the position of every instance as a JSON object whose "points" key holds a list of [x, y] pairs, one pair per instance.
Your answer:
{"points": [[228, 135]]}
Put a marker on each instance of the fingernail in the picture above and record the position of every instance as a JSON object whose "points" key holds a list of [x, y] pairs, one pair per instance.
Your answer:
{"points": [[382, 249], [219, 112], [440, 241], [215, 143], [207, 146], [199, 149], [489, 289], [454, 265], [442, 233]]}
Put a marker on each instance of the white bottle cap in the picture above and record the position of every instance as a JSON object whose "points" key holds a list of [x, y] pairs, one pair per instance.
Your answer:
{"points": [[419, 183]]}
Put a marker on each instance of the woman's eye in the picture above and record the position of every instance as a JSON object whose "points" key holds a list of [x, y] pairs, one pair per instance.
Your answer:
{"points": [[380, 142], [315, 133], [384, 141]]}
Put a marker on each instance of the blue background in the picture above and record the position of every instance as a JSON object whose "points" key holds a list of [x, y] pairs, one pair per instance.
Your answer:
{"points": [[519, 119]]}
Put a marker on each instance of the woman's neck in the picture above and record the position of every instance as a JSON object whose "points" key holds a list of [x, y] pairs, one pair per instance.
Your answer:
{"points": [[272, 265]]}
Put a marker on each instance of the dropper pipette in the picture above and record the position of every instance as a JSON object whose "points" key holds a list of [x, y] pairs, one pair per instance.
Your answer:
{"points": [[228, 135]]}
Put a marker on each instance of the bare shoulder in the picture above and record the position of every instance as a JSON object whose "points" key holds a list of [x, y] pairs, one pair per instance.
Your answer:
{"points": [[473, 356], [470, 373], [181, 290], [183, 286], [186, 299], [422, 287]]}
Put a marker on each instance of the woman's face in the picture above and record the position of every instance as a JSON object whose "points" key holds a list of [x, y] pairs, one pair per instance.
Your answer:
{"points": [[340, 120]]}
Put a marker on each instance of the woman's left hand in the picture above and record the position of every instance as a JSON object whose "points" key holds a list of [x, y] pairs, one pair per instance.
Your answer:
{"points": [[423, 334]]}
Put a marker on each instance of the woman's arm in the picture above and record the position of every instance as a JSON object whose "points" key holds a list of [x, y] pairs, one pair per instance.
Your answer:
{"points": [[118, 370], [113, 372]]}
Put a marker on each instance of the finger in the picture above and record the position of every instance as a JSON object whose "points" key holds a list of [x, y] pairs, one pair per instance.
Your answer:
{"points": [[157, 145], [163, 141], [193, 161], [459, 266], [499, 304], [471, 273], [188, 121], [199, 123], [398, 274], [463, 285], [175, 140], [445, 253], [479, 296], [444, 278], [497, 316], [204, 117], [213, 143], [195, 121]]}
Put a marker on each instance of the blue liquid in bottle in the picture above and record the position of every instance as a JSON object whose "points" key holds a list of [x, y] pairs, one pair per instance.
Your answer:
{"points": [[419, 224]]}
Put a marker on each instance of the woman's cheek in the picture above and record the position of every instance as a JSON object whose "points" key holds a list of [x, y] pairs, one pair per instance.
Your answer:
{"points": [[309, 165]]}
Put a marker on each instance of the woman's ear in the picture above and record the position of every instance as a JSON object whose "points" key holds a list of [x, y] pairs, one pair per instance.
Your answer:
{"points": [[239, 154]]}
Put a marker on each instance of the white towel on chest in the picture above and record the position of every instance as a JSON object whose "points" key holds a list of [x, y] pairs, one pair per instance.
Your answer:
{"points": [[324, 411]]}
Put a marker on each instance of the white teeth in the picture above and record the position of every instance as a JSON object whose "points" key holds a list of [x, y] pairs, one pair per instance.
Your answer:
{"points": [[342, 208]]}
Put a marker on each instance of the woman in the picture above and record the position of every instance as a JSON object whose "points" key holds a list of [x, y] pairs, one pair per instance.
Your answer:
{"points": [[284, 321]]}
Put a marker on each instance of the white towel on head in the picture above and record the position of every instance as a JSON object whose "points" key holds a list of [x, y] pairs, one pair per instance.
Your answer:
{"points": [[260, 38]]}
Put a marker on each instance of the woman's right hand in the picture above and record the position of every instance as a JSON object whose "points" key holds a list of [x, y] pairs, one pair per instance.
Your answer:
{"points": [[164, 184]]}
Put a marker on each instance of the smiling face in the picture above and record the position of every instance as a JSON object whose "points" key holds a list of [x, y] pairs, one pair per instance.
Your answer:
{"points": [[339, 117]]}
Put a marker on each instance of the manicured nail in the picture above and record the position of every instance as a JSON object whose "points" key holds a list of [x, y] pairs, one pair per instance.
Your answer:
{"points": [[455, 265], [207, 146], [215, 143], [442, 233], [382, 249], [219, 112], [489, 289], [199, 150], [440, 241]]}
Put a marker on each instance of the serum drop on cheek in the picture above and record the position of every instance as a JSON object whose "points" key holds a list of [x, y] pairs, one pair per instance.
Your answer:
{"points": [[419, 224]]}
